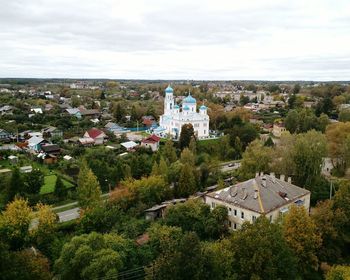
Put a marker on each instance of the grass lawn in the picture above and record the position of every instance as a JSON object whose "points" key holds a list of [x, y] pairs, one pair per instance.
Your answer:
{"points": [[49, 184]]}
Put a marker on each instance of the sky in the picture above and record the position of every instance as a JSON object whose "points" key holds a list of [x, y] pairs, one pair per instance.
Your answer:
{"points": [[182, 39]]}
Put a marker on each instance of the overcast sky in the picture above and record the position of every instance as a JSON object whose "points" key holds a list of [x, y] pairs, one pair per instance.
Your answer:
{"points": [[178, 39]]}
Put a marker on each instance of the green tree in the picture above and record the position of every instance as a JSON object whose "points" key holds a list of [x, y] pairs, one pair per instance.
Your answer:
{"points": [[169, 152], [344, 115], [60, 189], [296, 89], [260, 252], [256, 158], [187, 181], [92, 256], [187, 157], [303, 238], [33, 181], [16, 185], [176, 261], [89, 191], [187, 132]]}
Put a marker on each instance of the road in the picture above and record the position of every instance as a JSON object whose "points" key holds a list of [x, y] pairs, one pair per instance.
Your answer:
{"points": [[230, 166], [68, 215]]}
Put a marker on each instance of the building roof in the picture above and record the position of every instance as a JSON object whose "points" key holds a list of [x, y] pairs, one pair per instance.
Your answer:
{"points": [[89, 112], [186, 107], [35, 140], [94, 132], [176, 106], [49, 148], [73, 111], [151, 139], [129, 144], [203, 107], [262, 194], [169, 89], [189, 99], [86, 140]]}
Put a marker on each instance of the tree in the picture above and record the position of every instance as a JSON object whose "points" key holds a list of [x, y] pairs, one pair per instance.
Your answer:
{"points": [[303, 238], [43, 233], [187, 181], [292, 101], [33, 181], [338, 144], [225, 150], [193, 146], [344, 115], [89, 191], [92, 256], [292, 121], [14, 223], [60, 189], [187, 132], [296, 89], [338, 272], [149, 190], [187, 157], [16, 185], [169, 152], [196, 216], [176, 261], [260, 252], [256, 158]]}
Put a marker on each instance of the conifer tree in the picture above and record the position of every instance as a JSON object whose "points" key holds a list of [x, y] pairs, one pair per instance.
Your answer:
{"points": [[60, 189], [89, 191]]}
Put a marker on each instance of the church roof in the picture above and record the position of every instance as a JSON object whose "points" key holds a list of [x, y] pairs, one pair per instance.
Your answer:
{"points": [[189, 99], [186, 107], [203, 107], [176, 106], [169, 89]]}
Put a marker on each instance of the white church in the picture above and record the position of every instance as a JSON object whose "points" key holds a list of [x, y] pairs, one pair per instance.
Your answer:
{"points": [[175, 117]]}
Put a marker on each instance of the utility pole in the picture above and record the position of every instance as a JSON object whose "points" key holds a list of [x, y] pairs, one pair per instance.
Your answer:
{"points": [[330, 189]]}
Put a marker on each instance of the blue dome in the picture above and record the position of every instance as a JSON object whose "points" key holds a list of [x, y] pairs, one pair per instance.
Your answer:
{"points": [[186, 108], [189, 99], [169, 89], [203, 107], [176, 107]]}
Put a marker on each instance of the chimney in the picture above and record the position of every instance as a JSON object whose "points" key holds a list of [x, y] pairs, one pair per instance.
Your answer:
{"points": [[289, 180], [244, 194], [272, 174], [282, 177], [261, 173], [255, 194], [256, 174]]}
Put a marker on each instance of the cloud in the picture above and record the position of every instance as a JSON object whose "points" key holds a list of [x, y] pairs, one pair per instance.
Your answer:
{"points": [[175, 39]]}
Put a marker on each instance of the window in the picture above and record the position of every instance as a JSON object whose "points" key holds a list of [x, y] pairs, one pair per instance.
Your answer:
{"points": [[213, 205], [242, 215], [253, 219], [234, 226], [229, 224], [205, 131], [270, 218], [205, 124], [235, 212], [229, 209]]}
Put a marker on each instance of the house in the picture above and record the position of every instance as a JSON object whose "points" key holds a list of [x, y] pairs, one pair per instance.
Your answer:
{"points": [[34, 143], [157, 211], [86, 141], [91, 113], [130, 145], [51, 149], [52, 132], [36, 110], [97, 135], [151, 142], [116, 129], [278, 129], [4, 135], [75, 112], [6, 110], [264, 195], [26, 169]]}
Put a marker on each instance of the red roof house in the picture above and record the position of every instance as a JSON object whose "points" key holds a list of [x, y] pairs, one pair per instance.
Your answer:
{"points": [[97, 135], [151, 142]]}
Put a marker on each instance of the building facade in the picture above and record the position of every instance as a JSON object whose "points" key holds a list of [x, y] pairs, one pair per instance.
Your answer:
{"points": [[175, 117], [265, 195]]}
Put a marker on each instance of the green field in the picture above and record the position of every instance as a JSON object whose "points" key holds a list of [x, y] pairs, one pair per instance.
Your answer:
{"points": [[49, 184]]}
